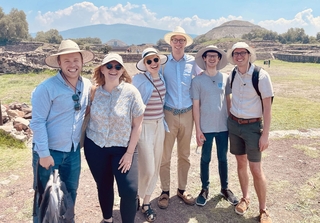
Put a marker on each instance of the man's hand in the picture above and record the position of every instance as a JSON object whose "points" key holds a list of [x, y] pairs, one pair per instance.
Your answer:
{"points": [[46, 162]]}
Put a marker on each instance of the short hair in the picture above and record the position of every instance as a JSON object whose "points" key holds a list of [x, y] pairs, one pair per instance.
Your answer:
{"points": [[211, 51]]}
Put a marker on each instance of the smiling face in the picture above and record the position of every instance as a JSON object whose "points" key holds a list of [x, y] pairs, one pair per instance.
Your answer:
{"points": [[178, 43], [152, 64], [112, 71], [211, 59], [71, 65], [241, 57]]}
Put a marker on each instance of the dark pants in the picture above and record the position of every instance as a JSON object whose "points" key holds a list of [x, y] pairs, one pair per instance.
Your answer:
{"points": [[104, 163], [221, 139]]}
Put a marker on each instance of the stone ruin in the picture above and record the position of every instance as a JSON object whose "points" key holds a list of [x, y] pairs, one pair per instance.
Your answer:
{"points": [[15, 121]]}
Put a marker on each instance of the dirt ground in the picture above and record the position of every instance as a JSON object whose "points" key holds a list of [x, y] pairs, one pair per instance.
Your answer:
{"points": [[290, 169]]}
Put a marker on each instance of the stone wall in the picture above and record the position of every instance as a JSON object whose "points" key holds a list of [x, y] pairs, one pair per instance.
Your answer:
{"points": [[297, 58]]}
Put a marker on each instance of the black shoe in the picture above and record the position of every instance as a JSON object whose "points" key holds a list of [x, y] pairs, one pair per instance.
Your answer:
{"points": [[228, 195], [202, 198]]}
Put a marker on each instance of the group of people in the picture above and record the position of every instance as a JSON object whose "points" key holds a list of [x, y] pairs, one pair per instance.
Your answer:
{"points": [[135, 122]]}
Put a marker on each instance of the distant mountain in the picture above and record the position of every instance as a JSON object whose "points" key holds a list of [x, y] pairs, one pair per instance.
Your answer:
{"points": [[231, 29], [128, 34]]}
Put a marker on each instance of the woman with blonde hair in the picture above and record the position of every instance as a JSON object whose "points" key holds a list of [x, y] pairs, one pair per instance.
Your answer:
{"points": [[112, 134]]}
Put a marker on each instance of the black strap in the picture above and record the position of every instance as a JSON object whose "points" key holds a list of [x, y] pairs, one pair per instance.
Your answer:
{"points": [[154, 86]]}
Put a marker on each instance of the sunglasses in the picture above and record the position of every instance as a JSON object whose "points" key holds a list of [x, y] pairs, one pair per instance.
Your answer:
{"points": [[109, 66], [156, 60], [76, 99]]}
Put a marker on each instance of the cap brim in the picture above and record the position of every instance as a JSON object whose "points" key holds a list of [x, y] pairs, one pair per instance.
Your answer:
{"points": [[200, 62]]}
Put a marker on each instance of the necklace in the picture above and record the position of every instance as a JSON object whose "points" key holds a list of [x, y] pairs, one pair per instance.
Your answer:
{"points": [[66, 79]]}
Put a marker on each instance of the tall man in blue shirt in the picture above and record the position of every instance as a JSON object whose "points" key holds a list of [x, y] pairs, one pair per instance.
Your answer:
{"points": [[58, 109], [178, 73]]}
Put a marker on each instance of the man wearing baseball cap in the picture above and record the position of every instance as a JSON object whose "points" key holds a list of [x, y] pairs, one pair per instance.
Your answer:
{"points": [[58, 109], [249, 125]]}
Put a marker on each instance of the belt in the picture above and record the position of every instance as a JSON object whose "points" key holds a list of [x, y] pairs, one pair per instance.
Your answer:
{"points": [[242, 121], [177, 111]]}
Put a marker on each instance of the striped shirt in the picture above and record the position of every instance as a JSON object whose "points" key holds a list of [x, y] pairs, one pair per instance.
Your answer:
{"points": [[154, 109]]}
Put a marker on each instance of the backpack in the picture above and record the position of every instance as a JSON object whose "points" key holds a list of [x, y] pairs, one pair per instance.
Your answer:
{"points": [[255, 80], [55, 203]]}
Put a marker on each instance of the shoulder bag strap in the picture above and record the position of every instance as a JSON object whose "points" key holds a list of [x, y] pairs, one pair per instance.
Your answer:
{"points": [[154, 86]]}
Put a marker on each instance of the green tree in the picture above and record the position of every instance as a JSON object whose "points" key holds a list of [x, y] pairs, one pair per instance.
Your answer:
{"points": [[51, 36], [13, 27], [318, 36], [105, 49]]}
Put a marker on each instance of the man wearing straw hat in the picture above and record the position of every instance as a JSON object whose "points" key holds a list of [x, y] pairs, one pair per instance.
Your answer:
{"points": [[58, 109], [178, 73], [249, 125], [211, 101]]}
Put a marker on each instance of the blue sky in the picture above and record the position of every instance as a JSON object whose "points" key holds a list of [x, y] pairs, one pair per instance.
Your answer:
{"points": [[196, 17]]}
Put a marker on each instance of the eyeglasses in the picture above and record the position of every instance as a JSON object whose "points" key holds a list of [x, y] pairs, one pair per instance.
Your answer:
{"points": [[109, 66], [156, 60], [77, 105], [242, 53], [174, 40], [212, 56]]}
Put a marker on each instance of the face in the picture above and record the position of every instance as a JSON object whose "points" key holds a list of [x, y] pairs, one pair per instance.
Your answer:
{"points": [[212, 59], [178, 43], [112, 71], [152, 64], [241, 57], [71, 65]]}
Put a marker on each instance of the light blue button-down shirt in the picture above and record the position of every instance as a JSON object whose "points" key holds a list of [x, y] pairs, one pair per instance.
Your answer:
{"points": [[55, 123], [178, 76]]}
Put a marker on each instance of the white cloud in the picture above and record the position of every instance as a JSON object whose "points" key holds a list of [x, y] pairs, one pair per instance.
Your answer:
{"points": [[86, 13], [304, 19]]}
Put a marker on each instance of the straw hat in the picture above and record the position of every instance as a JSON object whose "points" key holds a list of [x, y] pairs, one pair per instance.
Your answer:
{"points": [[178, 31], [200, 62], [67, 47], [241, 45], [148, 52]]}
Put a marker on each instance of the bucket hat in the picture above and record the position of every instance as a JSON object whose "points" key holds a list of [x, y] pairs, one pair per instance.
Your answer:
{"points": [[178, 31], [112, 57], [242, 45], [148, 52], [66, 47], [200, 62]]}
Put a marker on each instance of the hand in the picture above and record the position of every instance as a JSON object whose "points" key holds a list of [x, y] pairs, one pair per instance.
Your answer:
{"points": [[46, 162], [125, 162], [200, 138], [263, 142]]}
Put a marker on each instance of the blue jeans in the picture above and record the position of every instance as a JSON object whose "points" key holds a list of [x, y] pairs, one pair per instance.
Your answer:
{"points": [[104, 164], [68, 164], [221, 139]]}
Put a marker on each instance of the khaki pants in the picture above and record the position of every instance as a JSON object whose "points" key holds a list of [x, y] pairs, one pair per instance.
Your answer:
{"points": [[150, 148], [180, 127]]}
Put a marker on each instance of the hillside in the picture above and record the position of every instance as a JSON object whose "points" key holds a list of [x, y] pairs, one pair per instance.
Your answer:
{"points": [[231, 29], [129, 34]]}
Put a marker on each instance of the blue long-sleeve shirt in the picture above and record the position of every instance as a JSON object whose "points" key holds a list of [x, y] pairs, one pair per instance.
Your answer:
{"points": [[55, 123]]}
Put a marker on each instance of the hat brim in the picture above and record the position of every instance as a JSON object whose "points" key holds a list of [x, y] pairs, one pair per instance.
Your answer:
{"points": [[252, 52], [167, 37], [200, 62], [142, 67], [52, 60]]}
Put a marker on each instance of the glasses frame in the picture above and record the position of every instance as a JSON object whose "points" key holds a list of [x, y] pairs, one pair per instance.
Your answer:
{"points": [[242, 53], [156, 60], [109, 66], [77, 105], [175, 40]]}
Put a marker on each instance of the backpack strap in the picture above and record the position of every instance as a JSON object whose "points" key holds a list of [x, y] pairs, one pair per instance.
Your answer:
{"points": [[255, 80], [233, 74]]}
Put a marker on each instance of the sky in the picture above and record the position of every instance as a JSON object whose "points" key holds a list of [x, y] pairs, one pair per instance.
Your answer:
{"points": [[196, 17]]}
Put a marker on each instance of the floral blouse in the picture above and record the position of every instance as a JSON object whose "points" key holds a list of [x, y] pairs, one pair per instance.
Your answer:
{"points": [[111, 115]]}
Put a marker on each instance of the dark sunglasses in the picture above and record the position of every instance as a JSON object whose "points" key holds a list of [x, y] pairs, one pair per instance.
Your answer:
{"points": [[156, 60], [76, 99], [109, 66]]}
